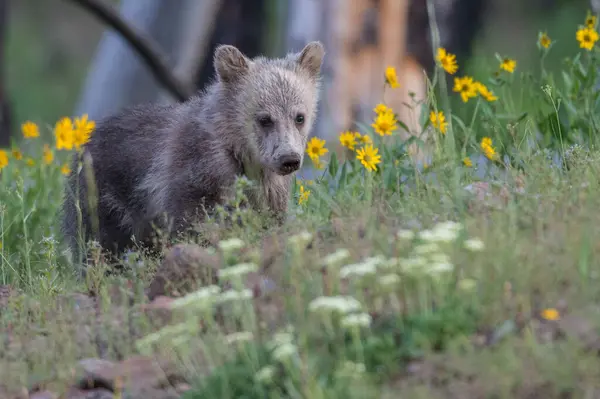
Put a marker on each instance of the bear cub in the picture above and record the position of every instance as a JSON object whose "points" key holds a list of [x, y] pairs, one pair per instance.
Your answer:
{"points": [[169, 165]]}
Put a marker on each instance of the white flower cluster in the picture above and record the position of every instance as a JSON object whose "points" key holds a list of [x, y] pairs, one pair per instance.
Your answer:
{"points": [[335, 258], [345, 306], [230, 245], [442, 232], [181, 332], [282, 346], [243, 336], [301, 239], [334, 304], [205, 297], [237, 271]]}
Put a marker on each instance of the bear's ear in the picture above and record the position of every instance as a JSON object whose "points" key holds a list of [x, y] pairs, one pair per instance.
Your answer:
{"points": [[230, 63], [311, 58]]}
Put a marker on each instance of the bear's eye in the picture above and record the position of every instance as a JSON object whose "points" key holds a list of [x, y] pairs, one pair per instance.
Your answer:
{"points": [[299, 119], [265, 121]]}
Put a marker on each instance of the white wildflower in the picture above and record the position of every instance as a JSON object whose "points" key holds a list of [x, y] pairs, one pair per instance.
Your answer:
{"points": [[390, 263], [243, 336], [357, 270], [449, 225], [442, 232], [203, 297], [233, 295], [301, 239], [416, 262], [353, 368], [189, 327], [356, 320], [426, 235], [440, 258], [231, 244], [467, 284], [265, 375], [375, 260], [389, 280], [336, 257], [341, 304], [281, 338], [238, 270], [427, 248], [440, 267], [404, 234], [284, 351], [474, 244]]}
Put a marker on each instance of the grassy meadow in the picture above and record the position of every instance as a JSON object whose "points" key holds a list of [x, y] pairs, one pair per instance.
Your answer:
{"points": [[470, 275]]}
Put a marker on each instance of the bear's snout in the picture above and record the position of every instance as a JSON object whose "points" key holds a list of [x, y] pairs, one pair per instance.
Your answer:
{"points": [[288, 164]]}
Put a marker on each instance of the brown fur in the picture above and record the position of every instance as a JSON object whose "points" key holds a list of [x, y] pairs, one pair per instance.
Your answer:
{"points": [[180, 160]]}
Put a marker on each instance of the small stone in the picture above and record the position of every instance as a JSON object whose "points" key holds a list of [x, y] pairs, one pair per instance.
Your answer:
{"points": [[185, 268]]}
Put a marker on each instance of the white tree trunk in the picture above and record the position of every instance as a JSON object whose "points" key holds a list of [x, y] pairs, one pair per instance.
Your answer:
{"points": [[118, 77]]}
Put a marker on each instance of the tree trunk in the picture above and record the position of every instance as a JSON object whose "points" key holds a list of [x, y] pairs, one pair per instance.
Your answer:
{"points": [[309, 20], [118, 77]]}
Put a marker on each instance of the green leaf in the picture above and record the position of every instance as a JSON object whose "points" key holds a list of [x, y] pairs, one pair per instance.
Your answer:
{"points": [[333, 165]]}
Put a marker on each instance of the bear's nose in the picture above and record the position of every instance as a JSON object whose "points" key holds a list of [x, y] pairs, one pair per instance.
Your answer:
{"points": [[289, 163]]}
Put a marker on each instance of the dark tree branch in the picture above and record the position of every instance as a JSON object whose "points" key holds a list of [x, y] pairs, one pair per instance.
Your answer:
{"points": [[144, 46]]}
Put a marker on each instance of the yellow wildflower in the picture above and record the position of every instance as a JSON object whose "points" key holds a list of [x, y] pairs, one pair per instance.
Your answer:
{"points": [[488, 150], [382, 109], [304, 194], [363, 139], [65, 169], [17, 154], [466, 87], [385, 124], [83, 131], [485, 92], [467, 162], [30, 130], [316, 148], [438, 120], [590, 21], [48, 155], [447, 61], [508, 65], [3, 159], [551, 314], [545, 40], [587, 37], [30, 162], [391, 78], [348, 140], [317, 163], [64, 134], [369, 157]]}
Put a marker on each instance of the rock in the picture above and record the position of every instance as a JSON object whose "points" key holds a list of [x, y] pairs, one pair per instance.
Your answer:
{"points": [[139, 376], [44, 395], [159, 310], [579, 328], [186, 267], [101, 393]]}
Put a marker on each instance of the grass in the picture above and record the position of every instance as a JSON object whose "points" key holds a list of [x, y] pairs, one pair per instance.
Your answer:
{"points": [[437, 281]]}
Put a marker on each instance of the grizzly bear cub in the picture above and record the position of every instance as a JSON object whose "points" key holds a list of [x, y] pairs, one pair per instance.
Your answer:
{"points": [[169, 165]]}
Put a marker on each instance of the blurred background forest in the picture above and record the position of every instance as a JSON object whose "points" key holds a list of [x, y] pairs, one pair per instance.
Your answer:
{"points": [[58, 61]]}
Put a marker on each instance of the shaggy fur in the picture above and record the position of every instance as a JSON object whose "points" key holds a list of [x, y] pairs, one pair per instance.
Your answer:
{"points": [[180, 160]]}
